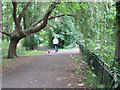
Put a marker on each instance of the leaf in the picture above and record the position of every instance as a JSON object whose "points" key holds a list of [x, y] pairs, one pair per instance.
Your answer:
{"points": [[76, 71], [78, 61], [84, 6], [116, 85], [115, 77], [62, 3], [92, 44]]}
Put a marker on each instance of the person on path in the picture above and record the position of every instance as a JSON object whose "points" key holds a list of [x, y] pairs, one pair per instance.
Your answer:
{"points": [[55, 42], [39, 41]]}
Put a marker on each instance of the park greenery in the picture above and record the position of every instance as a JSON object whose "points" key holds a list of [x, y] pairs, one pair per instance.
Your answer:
{"points": [[94, 24]]}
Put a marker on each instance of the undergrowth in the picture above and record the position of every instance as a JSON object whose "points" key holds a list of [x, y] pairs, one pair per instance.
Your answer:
{"points": [[21, 51], [86, 71]]}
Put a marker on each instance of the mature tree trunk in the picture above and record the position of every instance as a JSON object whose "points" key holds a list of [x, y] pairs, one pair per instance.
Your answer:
{"points": [[12, 47], [7, 19], [1, 28], [24, 22], [117, 48]]}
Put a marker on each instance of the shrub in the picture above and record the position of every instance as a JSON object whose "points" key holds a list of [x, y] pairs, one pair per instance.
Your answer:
{"points": [[30, 43]]}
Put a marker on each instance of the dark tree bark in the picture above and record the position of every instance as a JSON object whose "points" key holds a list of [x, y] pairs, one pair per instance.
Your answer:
{"points": [[52, 17], [7, 24], [24, 22], [117, 48], [13, 47], [1, 28]]}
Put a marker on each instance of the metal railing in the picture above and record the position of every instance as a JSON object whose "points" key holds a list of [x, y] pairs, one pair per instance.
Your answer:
{"points": [[101, 69]]}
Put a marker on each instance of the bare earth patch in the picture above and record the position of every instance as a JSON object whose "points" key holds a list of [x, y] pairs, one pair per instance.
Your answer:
{"points": [[17, 62]]}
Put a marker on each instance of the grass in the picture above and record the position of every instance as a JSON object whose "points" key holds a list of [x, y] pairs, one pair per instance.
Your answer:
{"points": [[20, 50], [28, 53], [66, 48]]}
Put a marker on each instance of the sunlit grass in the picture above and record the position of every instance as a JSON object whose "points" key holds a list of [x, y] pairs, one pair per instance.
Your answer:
{"points": [[66, 48], [20, 50], [28, 53]]}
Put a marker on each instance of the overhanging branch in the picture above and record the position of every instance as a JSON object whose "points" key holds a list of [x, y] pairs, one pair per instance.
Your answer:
{"points": [[14, 13], [8, 34], [44, 19], [17, 24], [52, 17], [23, 11]]}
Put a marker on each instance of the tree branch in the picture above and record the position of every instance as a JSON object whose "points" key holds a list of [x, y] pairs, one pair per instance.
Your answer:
{"points": [[44, 19], [18, 27], [52, 17], [23, 11], [14, 13], [8, 34]]}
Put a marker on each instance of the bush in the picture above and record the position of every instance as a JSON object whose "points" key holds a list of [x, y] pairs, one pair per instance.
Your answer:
{"points": [[30, 43]]}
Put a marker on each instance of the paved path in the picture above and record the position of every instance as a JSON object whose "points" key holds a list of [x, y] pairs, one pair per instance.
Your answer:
{"points": [[43, 72]]}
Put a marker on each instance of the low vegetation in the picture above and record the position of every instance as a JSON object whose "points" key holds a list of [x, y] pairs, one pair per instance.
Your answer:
{"points": [[21, 51]]}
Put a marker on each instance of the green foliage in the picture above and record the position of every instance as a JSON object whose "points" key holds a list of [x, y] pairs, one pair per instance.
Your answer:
{"points": [[63, 30], [115, 72], [5, 45], [20, 50], [29, 53], [90, 78], [43, 37], [30, 43], [98, 29]]}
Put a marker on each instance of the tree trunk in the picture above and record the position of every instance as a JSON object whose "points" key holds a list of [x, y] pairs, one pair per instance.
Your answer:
{"points": [[1, 28], [7, 24], [12, 47], [24, 22], [117, 47]]}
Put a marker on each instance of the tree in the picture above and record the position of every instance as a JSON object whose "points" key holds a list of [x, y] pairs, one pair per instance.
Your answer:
{"points": [[97, 29], [63, 29], [1, 18], [28, 18], [117, 48], [16, 35]]}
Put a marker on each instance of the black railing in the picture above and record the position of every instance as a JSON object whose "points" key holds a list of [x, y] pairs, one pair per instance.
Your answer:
{"points": [[101, 69]]}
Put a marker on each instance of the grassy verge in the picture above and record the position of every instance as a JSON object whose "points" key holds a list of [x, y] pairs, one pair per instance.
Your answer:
{"points": [[20, 50], [28, 53], [66, 48]]}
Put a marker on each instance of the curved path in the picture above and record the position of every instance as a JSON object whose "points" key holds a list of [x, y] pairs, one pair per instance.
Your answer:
{"points": [[43, 72]]}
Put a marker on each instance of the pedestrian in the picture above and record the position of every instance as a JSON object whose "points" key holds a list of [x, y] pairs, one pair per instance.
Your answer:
{"points": [[55, 42], [39, 41]]}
